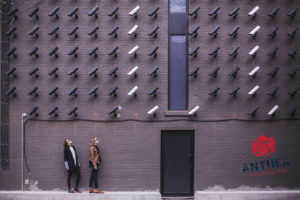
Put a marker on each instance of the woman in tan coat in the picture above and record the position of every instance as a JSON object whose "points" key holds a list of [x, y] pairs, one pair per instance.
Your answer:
{"points": [[94, 162]]}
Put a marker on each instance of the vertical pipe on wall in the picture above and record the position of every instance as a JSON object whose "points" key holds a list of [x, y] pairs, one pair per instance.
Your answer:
{"points": [[22, 151]]}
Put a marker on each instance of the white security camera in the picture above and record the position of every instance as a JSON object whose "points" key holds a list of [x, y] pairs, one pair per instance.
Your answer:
{"points": [[133, 91], [134, 11], [194, 110], [253, 51], [133, 71], [253, 91], [254, 71], [253, 11], [254, 31], [273, 110], [133, 50], [133, 30], [153, 110]]}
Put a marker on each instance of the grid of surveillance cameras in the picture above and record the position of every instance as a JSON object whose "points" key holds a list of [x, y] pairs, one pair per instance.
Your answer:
{"points": [[54, 32], [134, 51], [252, 52]]}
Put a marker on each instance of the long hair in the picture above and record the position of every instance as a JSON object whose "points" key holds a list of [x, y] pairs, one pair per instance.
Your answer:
{"points": [[65, 142], [93, 141]]}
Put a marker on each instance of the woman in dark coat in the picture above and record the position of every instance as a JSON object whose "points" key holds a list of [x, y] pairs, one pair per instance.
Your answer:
{"points": [[72, 164]]}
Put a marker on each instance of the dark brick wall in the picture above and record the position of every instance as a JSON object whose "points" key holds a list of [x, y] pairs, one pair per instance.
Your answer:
{"points": [[131, 150]]}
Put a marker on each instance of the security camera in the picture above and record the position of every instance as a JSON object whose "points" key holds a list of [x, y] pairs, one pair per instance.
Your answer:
{"points": [[133, 91], [33, 12], [34, 52], [293, 32], [113, 91], [53, 72], [214, 91], [194, 72], [153, 72], [33, 91], [133, 71], [12, 30], [292, 13], [273, 52], [134, 12], [194, 31], [73, 12], [53, 111], [12, 12], [114, 31], [293, 92], [114, 111], [153, 111], [73, 51], [234, 32], [234, 72], [133, 30], [273, 73], [234, 12], [194, 110], [113, 72], [234, 92], [253, 12], [194, 12], [53, 51], [133, 51], [273, 13], [292, 111], [254, 71], [153, 52], [154, 31], [293, 72], [93, 91], [214, 32], [93, 51], [273, 33], [214, 52], [54, 12], [54, 31], [34, 72], [214, 73], [194, 51], [293, 52], [93, 12], [94, 31], [73, 31], [11, 52], [73, 91], [153, 91], [73, 72], [273, 110], [33, 111], [113, 51], [273, 92], [114, 12], [53, 91], [253, 91], [214, 12], [254, 31], [73, 111], [11, 71], [153, 12], [254, 51], [93, 72], [11, 91], [234, 52], [253, 111]]}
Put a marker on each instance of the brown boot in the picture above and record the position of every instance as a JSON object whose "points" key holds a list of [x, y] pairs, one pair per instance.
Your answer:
{"points": [[99, 191], [91, 190], [76, 189]]}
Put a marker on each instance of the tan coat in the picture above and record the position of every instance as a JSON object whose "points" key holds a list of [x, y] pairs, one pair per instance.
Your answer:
{"points": [[94, 156]]}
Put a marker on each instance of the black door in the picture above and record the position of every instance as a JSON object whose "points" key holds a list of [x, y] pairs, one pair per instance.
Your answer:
{"points": [[177, 163]]}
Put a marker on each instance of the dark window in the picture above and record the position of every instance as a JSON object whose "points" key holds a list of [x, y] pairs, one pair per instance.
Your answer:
{"points": [[177, 73]]}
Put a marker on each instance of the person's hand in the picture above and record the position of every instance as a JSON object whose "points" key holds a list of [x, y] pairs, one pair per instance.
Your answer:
{"points": [[95, 168]]}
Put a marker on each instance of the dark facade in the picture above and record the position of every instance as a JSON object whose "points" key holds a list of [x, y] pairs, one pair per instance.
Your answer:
{"points": [[131, 142]]}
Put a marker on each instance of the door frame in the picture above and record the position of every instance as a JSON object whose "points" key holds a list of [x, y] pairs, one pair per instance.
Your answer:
{"points": [[178, 132]]}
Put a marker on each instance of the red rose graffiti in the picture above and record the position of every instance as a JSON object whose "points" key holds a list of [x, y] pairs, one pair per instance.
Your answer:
{"points": [[263, 146]]}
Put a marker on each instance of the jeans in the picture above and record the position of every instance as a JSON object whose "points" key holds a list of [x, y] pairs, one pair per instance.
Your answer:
{"points": [[77, 172], [94, 177]]}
